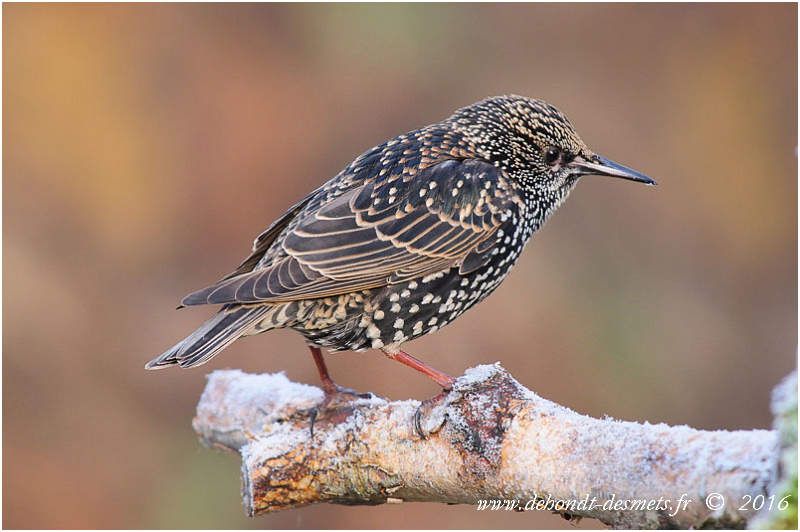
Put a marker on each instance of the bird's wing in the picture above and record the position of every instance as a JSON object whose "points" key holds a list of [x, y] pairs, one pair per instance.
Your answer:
{"points": [[264, 241], [389, 230]]}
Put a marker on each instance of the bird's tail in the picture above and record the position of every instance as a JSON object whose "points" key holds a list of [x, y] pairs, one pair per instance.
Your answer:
{"points": [[212, 337]]}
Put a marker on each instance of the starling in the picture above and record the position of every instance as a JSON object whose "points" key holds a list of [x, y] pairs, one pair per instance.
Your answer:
{"points": [[405, 239]]}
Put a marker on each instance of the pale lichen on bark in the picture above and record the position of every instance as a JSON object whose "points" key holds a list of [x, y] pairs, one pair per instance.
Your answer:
{"points": [[489, 438]]}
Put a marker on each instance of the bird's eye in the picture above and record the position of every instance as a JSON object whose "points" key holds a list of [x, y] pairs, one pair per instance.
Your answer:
{"points": [[552, 155]]}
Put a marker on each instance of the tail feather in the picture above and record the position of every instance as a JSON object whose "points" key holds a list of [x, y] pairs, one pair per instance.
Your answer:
{"points": [[210, 338]]}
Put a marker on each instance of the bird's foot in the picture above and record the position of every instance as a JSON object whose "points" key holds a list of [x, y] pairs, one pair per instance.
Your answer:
{"points": [[431, 414], [336, 406], [334, 393]]}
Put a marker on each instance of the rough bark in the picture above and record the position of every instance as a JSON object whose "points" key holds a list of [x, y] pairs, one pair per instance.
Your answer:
{"points": [[490, 438]]}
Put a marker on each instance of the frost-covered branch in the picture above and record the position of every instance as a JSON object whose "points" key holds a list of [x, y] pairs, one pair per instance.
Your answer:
{"points": [[490, 438]]}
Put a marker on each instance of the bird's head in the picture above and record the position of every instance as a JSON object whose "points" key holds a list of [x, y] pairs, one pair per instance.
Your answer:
{"points": [[535, 143]]}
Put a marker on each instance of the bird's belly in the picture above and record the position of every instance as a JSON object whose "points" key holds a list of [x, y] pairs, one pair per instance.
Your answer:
{"points": [[428, 304], [388, 317]]}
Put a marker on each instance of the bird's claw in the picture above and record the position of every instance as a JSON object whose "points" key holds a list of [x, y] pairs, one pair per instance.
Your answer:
{"points": [[341, 390], [336, 406], [432, 423]]}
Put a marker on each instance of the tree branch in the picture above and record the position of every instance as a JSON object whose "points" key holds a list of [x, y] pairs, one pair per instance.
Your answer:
{"points": [[490, 438]]}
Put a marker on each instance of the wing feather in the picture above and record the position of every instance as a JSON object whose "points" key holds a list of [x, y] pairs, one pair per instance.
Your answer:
{"points": [[388, 230]]}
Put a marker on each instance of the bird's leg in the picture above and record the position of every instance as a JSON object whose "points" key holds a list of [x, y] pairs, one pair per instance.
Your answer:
{"points": [[333, 392], [330, 388], [442, 379]]}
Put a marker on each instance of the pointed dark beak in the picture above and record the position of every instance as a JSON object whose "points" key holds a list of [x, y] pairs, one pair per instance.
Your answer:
{"points": [[597, 165]]}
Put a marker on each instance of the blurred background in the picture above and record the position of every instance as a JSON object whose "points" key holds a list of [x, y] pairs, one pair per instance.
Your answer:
{"points": [[147, 145]]}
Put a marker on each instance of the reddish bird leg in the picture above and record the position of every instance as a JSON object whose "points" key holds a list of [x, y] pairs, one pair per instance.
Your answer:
{"points": [[335, 396], [328, 386], [442, 379]]}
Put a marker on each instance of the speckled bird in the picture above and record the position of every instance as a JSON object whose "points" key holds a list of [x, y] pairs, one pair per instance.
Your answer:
{"points": [[405, 239]]}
